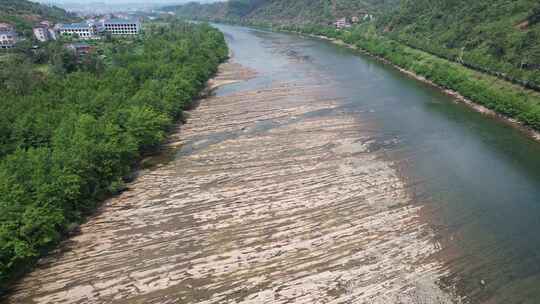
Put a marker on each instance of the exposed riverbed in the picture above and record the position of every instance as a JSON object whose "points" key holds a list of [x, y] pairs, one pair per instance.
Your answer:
{"points": [[314, 176]]}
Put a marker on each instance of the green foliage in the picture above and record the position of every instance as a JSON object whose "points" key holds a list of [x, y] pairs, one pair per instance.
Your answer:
{"points": [[24, 14], [495, 36], [283, 11], [67, 140]]}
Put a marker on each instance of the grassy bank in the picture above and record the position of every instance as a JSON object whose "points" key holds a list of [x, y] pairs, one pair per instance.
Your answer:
{"points": [[68, 140]]}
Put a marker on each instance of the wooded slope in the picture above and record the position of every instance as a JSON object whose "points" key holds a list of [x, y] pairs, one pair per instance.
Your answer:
{"points": [[24, 14], [500, 37], [496, 35], [285, 11]]}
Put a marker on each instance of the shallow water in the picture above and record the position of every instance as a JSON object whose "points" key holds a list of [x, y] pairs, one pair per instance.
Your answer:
{"points": [[479, 177]]}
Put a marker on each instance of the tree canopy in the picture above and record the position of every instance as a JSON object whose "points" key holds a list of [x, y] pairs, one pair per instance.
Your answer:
{"points": [[68, 139], [23, 14], [284, 11]]}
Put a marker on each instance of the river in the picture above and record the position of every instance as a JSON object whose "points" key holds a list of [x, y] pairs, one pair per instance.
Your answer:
{"points": [[318, 176]]}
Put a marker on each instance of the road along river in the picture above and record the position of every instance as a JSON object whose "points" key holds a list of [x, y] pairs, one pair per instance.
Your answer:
{"points": [[314, 175]]}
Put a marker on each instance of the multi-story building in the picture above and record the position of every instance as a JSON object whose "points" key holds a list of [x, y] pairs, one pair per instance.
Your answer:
{"points": [[7, 39], [84, 30], [80, 48], [41, 33], [342, 23], [122, 27]]}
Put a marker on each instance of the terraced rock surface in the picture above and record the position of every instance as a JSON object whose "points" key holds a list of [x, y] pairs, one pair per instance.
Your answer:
{"points": [[274, 195]]}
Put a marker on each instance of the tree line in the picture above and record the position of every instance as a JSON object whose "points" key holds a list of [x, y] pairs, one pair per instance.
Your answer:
{"points": [[495, 36], [68, 139], [23, 14], [320, 12]]}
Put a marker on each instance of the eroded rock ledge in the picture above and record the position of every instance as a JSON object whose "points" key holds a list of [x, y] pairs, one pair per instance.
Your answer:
{"points": [[276, 196]]}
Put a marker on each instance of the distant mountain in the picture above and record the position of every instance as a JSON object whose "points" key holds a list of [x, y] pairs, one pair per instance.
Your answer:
{"points": [[284, 11], [24, 14]]}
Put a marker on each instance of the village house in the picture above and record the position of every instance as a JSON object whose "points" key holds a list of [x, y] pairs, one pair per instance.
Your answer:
{"points": [[122, 27], [342, 23], [43, 31], [84, 30], [45, 23], [8, 36], [80, 48]]}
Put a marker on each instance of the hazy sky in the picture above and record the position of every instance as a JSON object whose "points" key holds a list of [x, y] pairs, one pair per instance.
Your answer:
{"points": [[116, 1], [112, 5]]}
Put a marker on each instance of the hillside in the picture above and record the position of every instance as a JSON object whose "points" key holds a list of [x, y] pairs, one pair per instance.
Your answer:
{"points": [[23, 14], [496, 35], [500, 37], [284, 11]]}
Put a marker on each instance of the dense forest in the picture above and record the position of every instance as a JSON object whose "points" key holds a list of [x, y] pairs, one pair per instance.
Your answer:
{"points": [[68, 138], [24, 14], [497, 36], [284, 11]]}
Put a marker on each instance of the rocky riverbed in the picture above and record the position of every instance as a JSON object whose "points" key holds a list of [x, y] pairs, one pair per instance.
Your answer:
{"points": [[274, 195]]}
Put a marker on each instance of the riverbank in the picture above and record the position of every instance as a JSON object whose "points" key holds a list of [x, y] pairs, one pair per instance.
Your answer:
{"points": [[531, 132], [507, 102]]}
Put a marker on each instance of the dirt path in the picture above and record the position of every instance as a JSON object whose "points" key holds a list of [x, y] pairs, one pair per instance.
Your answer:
{"points": [[276, 196]]}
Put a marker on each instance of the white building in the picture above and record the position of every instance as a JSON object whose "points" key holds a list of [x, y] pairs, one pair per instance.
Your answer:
{"points": [[122, 27], [45, 23], [84, 30], [52, 33], [41, 33], [342, 23], [7, 39]]}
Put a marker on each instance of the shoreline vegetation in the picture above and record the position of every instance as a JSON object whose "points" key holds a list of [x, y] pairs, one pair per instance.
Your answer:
{"points": [[487, 94], [71, 140], [533, 133], [490, 95]]}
